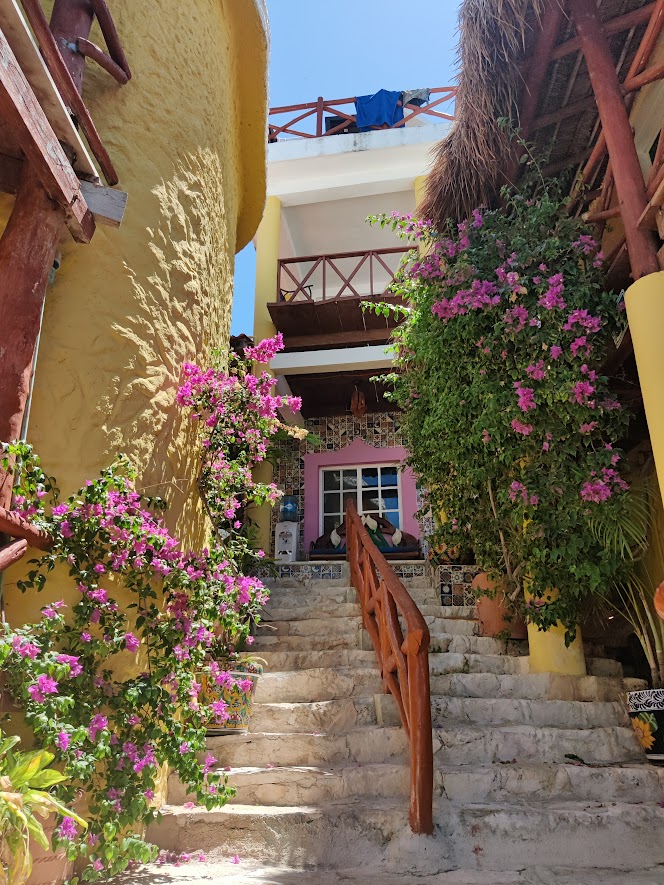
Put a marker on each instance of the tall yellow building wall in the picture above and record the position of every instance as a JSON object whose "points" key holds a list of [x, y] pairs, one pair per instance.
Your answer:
{"points": [[187, 135]]}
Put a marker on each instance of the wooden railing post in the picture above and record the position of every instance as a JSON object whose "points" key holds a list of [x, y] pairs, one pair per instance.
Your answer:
{"points": [[319, 116], [403, 655]]}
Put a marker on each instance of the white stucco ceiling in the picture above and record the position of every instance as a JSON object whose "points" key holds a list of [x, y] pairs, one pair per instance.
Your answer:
{"points": [[340, 225]]}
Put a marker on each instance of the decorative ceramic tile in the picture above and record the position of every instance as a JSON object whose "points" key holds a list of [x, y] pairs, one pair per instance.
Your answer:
{"points": [[455, 582], [302, 570], [412, 570]]}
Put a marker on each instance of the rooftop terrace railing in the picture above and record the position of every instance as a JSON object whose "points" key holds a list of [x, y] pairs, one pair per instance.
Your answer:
{"points": [[325, 117]]}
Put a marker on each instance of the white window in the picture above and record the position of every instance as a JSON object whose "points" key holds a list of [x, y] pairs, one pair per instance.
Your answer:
{"points": [[375, 491]]}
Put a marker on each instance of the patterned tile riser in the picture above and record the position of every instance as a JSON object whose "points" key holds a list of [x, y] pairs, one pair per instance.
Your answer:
{"points": [[303, 570], [455, 582]]}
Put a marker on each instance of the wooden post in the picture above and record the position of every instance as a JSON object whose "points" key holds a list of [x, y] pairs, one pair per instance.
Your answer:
{"points": [[70, 20], [319, 116], [27, 250], [628, 177]]}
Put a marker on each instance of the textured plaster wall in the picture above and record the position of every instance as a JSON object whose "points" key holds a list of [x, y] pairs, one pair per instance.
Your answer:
{"points": [[187, 137]]}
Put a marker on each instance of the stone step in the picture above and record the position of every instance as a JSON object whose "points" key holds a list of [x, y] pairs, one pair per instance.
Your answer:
{"points": [[334, 716], [324, 592], [360, 745], [253, 873], [516, 711], [540, 782], [363, 679], [284, 610], [477, 745], [289, 661], [442, 642], [307, 784], [535, 782], [320, 684], [293, 661], [339, 715], [528, 686], [617, 835], [340, 626], [454, 745], [318, 627], [490, 837], [327, 836]]}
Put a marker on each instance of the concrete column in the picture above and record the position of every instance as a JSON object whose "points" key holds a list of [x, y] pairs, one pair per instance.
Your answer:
{"points": [[645, 311], [420, 185], [267, 256]]}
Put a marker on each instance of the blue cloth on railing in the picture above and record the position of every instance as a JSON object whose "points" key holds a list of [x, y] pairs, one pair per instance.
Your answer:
{"points": [[376, 110]]}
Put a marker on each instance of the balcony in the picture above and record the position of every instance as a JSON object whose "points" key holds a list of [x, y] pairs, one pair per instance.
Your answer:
{"points": [[322, 118], [318, 298]]}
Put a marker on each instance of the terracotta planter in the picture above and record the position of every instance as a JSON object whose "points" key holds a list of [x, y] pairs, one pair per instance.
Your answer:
{"points": [[646, 712], [493, 611], [239, 702], [49, 867]]}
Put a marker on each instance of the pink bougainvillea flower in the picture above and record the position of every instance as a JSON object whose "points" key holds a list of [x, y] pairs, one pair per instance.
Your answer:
{"points": [[132, 642], [63, 740], [520, 427], [235, 858], [98, 723]]}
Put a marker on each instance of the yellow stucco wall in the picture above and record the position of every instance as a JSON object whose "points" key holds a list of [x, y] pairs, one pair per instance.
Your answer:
{"points": [[188, 138]]}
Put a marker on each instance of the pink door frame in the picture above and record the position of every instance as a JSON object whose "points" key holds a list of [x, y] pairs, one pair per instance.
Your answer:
{"points": [[357, 452]]}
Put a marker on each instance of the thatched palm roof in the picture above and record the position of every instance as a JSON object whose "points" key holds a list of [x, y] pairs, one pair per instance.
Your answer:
{"points": [[496, 39]]}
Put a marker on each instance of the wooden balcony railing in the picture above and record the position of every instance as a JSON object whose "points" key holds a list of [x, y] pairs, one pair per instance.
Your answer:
{"points": [[340, 275], [403, 659], [314, 113]]}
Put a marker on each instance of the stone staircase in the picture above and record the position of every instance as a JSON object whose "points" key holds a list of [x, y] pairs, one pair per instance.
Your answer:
{"points": [[538, 777]]}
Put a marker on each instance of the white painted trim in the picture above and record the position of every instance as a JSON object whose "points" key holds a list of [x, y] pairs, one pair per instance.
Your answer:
{"points": [[345, 359]]}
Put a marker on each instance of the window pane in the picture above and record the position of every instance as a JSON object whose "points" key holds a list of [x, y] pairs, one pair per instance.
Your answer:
{"points": [[331, 502], [390, 499], [393, 517], [370, 502], [346, 498], [369, 476], [349, 480], [330, 480], [329, 523], [388, 476]]}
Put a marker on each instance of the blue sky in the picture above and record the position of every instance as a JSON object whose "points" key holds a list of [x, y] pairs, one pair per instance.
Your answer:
{"points": [[349, 47]]}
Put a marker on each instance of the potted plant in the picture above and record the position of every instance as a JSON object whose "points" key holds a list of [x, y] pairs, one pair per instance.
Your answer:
{"points": [[510, 424], [25, 796], [230, 693], [634, 599], [496, 615]]}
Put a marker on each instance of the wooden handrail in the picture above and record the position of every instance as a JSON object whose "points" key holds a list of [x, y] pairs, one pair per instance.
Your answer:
{"points": [[403, 657], [16, 527]]}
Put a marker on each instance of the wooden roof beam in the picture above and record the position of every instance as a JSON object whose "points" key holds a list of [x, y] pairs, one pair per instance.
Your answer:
{"points": [[22, 112], [614, 26], [627, 174], [106, 204]]}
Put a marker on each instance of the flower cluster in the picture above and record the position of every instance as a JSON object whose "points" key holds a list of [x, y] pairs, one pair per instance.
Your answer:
{"points": [[509, 420], [114, 686], [237, 413]]}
